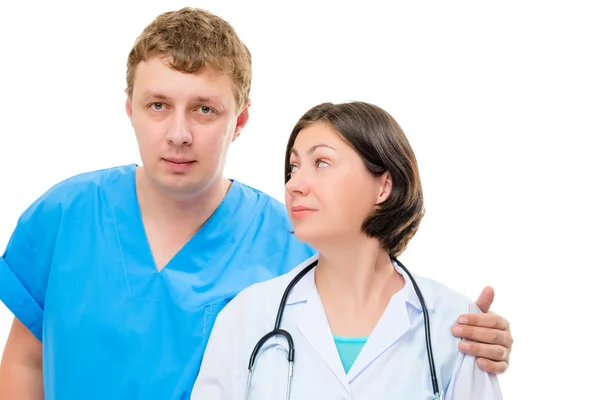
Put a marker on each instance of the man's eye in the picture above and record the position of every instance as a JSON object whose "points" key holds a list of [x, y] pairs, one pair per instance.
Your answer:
{"points": [[157, 106], [206, 110]]}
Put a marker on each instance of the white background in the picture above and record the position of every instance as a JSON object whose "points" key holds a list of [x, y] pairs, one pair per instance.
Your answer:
{"points": [[500, 102]]}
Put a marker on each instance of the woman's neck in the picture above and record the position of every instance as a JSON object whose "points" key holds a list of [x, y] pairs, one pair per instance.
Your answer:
{"points": [[355, 282]]}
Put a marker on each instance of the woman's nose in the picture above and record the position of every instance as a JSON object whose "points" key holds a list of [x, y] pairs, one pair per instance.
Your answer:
{"points": [[297, 184]]}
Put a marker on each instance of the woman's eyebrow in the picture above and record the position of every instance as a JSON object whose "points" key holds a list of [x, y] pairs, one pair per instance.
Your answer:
{"points": [[313, 148]]}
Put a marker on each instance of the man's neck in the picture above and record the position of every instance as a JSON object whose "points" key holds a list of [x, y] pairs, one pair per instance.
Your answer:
{"points": [[191, 209], [171, 221]]}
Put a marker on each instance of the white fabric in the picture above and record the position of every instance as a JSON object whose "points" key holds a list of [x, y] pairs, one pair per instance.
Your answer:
{"points": [[392, 364]]}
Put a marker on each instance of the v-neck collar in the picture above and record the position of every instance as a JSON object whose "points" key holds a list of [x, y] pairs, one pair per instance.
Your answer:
{"points": [[143, 277]]}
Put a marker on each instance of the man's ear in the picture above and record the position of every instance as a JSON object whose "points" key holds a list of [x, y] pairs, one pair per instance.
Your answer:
{"points": [[242, 120], [385, 188], [128, 103]]}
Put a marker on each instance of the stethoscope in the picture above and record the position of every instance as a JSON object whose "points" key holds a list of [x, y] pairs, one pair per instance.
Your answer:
{"points": [[277, 331]]}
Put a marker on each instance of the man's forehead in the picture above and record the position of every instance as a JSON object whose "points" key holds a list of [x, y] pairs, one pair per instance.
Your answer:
{"points": [[208, 84]]}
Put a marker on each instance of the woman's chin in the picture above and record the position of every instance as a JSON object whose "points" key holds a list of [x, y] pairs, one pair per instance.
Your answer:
{"points": [[300, 235], [303, 234], [308, 236]]}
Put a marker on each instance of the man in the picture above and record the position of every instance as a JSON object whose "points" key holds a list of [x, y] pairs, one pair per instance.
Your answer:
{"points": [[120, 273]]}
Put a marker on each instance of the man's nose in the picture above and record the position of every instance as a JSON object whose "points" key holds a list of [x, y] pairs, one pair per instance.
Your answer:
{"points": [[179, 131]]}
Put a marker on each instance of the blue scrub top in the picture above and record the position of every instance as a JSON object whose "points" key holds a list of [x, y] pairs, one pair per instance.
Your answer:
{"points": [[79, 273]]}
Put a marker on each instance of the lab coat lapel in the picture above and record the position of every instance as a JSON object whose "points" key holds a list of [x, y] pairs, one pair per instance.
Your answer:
{"points": [[311, 321], [394, 323]]}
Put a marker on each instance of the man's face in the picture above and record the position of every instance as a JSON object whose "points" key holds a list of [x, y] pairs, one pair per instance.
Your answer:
{"points": [[184, 124]]}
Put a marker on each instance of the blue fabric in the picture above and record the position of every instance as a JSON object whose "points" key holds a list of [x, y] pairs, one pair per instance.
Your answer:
{"points": [[79, 273], [348, 349]]}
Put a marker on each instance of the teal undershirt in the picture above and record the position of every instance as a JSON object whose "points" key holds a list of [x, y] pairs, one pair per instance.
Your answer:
{"points": [[348, 349]]}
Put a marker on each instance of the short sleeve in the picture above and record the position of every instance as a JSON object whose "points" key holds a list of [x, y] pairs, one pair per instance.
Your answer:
{"points": [[22, 280]]}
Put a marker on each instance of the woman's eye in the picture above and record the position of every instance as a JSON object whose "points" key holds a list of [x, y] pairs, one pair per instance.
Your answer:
{"points": [[293, 169], [322, 163]]}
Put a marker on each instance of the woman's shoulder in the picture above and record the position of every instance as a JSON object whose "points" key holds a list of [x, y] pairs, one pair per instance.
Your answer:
{"points": [[444, 299]]}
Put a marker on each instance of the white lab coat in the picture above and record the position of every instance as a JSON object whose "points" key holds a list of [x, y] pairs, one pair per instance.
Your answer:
{"points": [[392, 364]]}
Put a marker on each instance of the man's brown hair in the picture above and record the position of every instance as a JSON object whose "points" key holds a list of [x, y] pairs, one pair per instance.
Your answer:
{"points": [[191, 40]]}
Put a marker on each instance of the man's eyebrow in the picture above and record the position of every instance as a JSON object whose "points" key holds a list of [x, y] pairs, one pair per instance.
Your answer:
{"points": [[212, 101], [198, 99], [204, 99], [313, 148], [155, 95]]}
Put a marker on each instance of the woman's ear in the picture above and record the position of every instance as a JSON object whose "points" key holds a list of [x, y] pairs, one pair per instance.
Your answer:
{"points": [[385, 188]]}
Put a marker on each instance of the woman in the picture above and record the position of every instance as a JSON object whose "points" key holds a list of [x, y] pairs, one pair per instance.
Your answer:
{"points": [[353, 193]]}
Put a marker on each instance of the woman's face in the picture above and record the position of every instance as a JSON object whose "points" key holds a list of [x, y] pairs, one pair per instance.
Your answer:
{"points": [[330, 192]]}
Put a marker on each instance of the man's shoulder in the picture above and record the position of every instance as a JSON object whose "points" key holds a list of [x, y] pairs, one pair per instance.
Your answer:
{"points": [[267, 203], [269, 215], [88, 181], [279, 283], [74, 190], [267, 293]]}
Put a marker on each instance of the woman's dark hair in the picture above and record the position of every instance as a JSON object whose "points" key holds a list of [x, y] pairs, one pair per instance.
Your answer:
{"points": [[382, 145]]}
